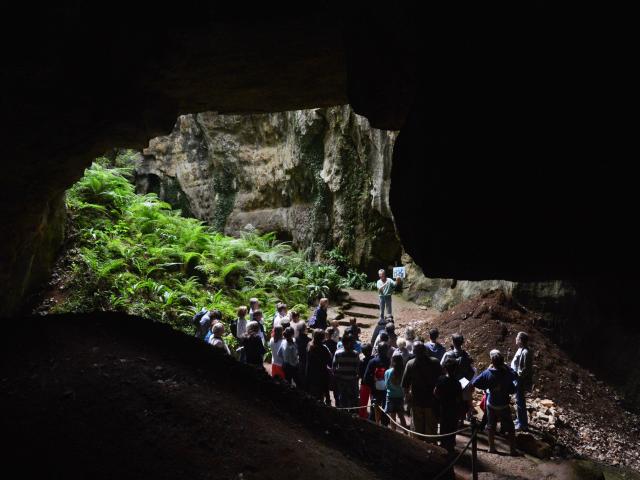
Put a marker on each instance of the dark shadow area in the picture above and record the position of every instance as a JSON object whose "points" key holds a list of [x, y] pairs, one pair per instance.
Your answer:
{"points": [[114, 396]]}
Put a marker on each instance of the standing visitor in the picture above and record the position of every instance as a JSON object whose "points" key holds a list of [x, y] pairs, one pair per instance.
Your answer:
{"points": [[319, 317], [420, 377], [365, 390], [281, 317], [201, 328], [382, 323], [436, 349], [383, 338], [522, 365], [499, 381], [216, 339], [276, 359], [253, 347], [329, 341], [302, 341], [464, 369], [385, 289], [294, 319], [410, 337], [318, 363], [391, 338], [357, 344], [336, 330], [374, 378], [212, 317], [355, 329], [257, 317], [289, 354], [402, 350], [239, 325], [395, 394], [345, 374], [254, 304], [448, 392]]}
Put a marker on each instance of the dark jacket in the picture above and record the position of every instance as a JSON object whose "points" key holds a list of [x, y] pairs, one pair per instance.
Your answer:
{"points": [[420, 377], [332, 345], [319, 318], [318, 364], [369, 373], [253, 349]]}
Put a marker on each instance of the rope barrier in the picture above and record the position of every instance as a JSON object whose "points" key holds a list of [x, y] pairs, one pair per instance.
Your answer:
{"points": [[424, 435], [353, 408], [455, 460], [474, 433]]}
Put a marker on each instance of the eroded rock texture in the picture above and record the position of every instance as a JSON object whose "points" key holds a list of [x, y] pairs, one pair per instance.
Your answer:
{"points": [[319, 178]]}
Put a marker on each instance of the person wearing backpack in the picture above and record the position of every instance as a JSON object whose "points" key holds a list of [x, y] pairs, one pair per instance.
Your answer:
{"points": [[201, 327], [319, 317], [463, 370], [374, 378]]}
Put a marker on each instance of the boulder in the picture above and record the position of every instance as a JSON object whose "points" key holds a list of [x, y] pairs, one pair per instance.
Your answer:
{"points": [[527, 443]]}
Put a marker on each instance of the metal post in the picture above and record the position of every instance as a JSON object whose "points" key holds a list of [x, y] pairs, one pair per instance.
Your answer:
{"points": [[474, 449]]}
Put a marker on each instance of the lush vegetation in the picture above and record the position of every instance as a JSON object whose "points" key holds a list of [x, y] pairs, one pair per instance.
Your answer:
{"points": [[135, 254]]}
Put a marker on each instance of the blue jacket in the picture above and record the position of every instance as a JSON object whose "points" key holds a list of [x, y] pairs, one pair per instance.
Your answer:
{"points": [[500, 384]]}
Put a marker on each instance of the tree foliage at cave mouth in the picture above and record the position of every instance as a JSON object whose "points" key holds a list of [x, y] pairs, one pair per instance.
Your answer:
{"points": [[133, 253]]}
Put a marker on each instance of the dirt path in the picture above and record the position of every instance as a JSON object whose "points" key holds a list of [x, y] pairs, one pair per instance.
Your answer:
{"points": [[365, 302]]}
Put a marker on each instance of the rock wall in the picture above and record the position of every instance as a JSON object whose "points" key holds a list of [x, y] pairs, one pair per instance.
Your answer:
{"points": [[318, 178]]}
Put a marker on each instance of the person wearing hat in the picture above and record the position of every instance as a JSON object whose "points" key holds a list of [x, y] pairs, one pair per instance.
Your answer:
{"points": [[499, 381]]}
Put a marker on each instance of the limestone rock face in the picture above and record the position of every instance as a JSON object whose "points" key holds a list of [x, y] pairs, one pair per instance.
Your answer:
{"points": [[318, 178]]}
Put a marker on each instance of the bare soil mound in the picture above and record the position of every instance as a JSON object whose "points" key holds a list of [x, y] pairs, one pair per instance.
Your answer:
{"points": [[112, 396], [587, 418]]}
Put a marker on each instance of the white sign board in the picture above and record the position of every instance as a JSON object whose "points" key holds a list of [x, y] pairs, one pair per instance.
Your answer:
{"points": [[399, 272]]}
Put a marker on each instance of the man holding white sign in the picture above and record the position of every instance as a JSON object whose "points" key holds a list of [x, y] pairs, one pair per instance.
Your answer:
{"points": [[385, 289]]}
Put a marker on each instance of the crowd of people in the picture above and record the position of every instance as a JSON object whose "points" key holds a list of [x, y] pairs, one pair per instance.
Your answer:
{"points": [[386, 380]]}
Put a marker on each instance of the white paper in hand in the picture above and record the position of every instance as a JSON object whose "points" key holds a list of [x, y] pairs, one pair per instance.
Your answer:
{"points": [[464, 382]]}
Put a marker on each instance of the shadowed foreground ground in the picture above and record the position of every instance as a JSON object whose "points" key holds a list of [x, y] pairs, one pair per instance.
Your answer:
{"points": [[106, 396]]}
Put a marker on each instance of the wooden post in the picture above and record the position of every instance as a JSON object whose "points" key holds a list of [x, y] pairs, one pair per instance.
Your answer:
{"points": [[474, 449]]}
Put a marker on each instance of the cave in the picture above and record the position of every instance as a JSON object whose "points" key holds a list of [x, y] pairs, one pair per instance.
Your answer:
{"points": [[511, 162]]}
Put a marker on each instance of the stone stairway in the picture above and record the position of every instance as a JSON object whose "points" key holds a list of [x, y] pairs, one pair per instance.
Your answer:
{"points": [[361, 305]]}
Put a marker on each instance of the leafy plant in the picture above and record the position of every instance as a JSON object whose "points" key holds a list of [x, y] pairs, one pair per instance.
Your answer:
{"points": [[139, 256]]}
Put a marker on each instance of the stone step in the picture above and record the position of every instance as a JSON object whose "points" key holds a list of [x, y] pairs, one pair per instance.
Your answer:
{"points": [[356, 303], [361, 324], [361, 312]]}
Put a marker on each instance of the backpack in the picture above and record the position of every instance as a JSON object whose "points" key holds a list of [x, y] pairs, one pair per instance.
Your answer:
{"points": [[464, 368], [378, 375], [198, 316], [195, 321]]}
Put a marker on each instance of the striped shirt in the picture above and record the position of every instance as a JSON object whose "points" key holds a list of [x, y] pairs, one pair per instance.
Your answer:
{"points": [[345, 365]]}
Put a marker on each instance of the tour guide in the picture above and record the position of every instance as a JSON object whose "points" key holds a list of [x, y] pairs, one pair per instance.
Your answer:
{"points": [[385, 289]]}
